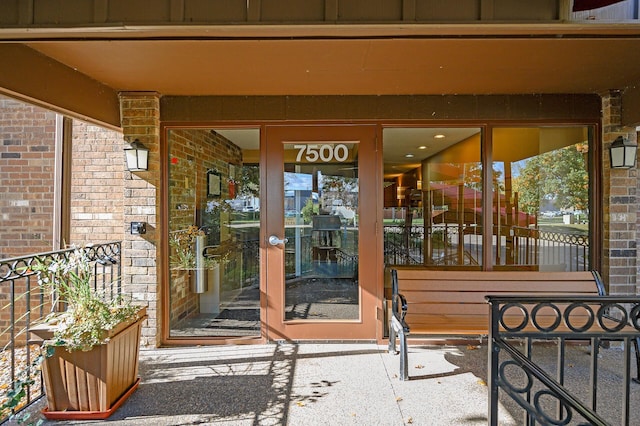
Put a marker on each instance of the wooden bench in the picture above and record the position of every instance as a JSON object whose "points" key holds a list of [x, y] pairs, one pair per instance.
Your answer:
{"points": [[452, 303]]}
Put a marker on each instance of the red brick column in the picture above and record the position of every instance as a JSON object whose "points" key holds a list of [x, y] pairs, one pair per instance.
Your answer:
{"points": [[140, 116], [620, 215]]}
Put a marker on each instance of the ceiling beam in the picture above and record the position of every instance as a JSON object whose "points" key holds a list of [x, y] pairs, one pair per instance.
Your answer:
{"points": [[35, 78]]}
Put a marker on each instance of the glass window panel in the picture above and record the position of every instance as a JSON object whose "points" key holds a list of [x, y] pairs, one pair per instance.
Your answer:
{"points": [[214, 217], [541, 198], [321, 190], [433, 197]]}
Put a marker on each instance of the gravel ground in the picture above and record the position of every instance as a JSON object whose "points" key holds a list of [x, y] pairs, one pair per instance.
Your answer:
{"points": [[22, 356]]}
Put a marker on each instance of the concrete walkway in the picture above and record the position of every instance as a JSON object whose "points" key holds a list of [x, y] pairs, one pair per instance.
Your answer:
{"points": [[305, 384], [311, 384]]}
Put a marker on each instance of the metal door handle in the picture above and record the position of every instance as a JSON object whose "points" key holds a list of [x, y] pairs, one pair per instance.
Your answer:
{"points": [[274, 241]]}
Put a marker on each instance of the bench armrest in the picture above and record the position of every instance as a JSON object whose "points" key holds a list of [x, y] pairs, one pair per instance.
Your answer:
{"points": [[403, 305], [401, 312]]}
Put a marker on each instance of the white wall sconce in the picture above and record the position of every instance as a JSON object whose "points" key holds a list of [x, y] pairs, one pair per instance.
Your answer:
{"points": [[137, 156], [622, 153]]}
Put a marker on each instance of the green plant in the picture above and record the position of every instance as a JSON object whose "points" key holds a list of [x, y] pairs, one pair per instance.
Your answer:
{"points": [[90, 314], [309, 210], [182, 248], [86, 322], [183, 252]]}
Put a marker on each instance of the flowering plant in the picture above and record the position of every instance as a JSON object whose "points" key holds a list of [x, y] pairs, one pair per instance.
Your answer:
{"points": [[90, 313], [183, 255], [90, 318]]}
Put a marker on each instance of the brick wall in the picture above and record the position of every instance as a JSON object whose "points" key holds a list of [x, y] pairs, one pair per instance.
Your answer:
{"points": [[97, 184], [27, 160], [620, 204]]}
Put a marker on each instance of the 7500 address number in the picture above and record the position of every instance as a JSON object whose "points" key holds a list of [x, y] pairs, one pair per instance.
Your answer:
{"points": [[325, 153]]}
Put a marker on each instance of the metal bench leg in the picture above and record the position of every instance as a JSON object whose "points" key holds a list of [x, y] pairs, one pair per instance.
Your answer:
{"points": [[636, 344], [404, 371], [392, 339]]}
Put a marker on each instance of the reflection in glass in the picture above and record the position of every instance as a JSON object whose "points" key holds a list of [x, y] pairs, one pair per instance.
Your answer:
{"points": [[213, 236], [321, 225], [541, 198], [433, 197]]}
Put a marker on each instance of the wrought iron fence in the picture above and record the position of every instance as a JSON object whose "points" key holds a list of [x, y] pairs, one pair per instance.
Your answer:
{"points": [[403, 246], [23, 303], [546, 398], [569, 252], [451, 245], [242, 269]]}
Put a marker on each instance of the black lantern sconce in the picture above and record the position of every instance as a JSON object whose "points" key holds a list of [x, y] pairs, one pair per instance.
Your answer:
{"points": [[137, 156], [622, 153]]}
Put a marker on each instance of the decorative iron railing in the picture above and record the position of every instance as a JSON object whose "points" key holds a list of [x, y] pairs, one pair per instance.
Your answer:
{"points": [[243, 267], [569, 252], [451, 245], [547, 398], [23, 303]]}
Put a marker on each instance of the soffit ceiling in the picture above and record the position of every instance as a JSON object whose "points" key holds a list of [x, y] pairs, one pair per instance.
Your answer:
{"points": [[357, 64], [325, 66]]}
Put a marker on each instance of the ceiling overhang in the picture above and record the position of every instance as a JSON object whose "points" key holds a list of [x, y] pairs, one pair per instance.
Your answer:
{"points": [[279, 60]]}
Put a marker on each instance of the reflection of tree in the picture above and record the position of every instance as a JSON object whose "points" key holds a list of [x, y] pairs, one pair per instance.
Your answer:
{"points": [[309, 209], [339, 183], [559, 175], [250, 181], [339, 188], [473, 177]]}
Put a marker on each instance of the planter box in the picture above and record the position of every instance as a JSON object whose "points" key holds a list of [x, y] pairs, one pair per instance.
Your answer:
{"points": [[92, 384]]}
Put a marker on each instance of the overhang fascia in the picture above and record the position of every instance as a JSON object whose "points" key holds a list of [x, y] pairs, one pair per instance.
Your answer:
{"points": [[30, 76], [618, 29]]}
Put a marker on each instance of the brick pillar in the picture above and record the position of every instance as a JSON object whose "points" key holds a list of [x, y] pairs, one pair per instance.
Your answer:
{"points": [[140, 116], [621, 219]]}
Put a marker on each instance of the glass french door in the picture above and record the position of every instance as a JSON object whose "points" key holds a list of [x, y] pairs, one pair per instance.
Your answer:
{"points": [[320, 197]]}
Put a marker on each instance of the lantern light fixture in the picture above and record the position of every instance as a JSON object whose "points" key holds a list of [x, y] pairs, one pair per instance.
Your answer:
{"points": [[622, 153], [137, 156]]}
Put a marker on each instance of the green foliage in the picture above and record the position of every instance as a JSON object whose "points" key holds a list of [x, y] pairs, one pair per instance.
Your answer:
{"points": [[15, 397], [250, 181], [309, 209], [182, 248], [183, 254], [87, 321], [90, 314], [560, 176]]}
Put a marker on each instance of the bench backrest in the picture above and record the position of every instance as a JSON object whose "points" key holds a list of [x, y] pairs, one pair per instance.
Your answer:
{"points": [[454, 301]]}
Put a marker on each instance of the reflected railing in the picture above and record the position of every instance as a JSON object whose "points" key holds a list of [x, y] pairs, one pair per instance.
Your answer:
{"points": [[451, 245]]}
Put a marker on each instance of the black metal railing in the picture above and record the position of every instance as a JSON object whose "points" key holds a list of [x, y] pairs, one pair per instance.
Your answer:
{"points": [[535, 247], [547, 397], [403, 246], [451, 245], [242, 268], [23, 304]]}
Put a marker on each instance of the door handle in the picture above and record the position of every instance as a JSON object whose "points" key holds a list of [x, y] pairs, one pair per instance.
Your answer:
{"points": [[274, 241]]}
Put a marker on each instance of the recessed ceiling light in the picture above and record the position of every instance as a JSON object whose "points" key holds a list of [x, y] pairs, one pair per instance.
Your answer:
{"points": [[422, 147], [409, 155], [439, 136]]}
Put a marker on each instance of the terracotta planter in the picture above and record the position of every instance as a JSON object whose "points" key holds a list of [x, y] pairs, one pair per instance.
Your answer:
{"points": [[92, 384]]}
